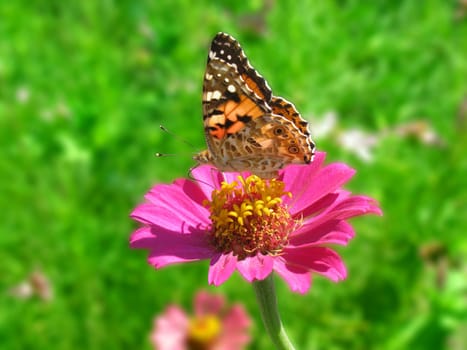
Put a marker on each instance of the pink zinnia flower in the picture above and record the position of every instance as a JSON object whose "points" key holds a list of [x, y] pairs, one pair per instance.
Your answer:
{"points": [[252, 225], [214, 326]]}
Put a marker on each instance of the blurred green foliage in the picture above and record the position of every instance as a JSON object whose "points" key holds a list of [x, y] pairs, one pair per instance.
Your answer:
{"points": [[84, 86]]}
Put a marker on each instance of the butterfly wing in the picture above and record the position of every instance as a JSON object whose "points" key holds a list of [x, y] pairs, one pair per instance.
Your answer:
{"points": [[225, 48], [286, 109], [246, 127], [267, 144], [229, 103]]}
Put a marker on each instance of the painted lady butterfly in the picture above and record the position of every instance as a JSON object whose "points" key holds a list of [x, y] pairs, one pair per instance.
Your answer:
{"points": [[246, 127]]}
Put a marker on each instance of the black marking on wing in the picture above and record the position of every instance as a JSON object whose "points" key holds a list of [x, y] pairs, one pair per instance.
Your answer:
{"points": [[217, 127], [215, 112], [226, 48], [244, 118], [231, 96], [229, 123], [240, 119], [253, 142]]}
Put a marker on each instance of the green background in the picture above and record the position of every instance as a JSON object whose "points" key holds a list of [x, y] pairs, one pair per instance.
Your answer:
{"points": [[84, 86]]}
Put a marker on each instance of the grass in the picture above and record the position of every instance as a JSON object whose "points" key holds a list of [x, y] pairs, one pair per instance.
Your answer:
{"points": [[83, 88]]}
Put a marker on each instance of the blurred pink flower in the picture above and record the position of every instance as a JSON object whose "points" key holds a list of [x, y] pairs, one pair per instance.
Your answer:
{"points": [[252, 225], [212, 327]]}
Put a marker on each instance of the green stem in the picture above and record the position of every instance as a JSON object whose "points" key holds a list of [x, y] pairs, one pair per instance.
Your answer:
{"points": [[266, 296]]}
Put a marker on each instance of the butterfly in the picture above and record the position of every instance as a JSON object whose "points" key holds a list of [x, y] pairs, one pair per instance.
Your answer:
{"points": [[246, 127]]}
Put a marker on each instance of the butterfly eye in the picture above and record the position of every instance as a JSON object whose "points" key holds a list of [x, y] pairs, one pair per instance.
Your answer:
{"points": [[279, 131], [293, 149]]}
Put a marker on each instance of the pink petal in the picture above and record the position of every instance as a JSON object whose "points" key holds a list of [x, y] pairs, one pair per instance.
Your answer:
{"points": [[298, 279], [191, 188], [208, 304], [236, 319], [331, 231], [140, 234], [170, 330], [321, 204], [309, 186], [257, 267], [221, 268], [294, 176], [357, 205], [230, 177], [166, 247], [151, 214], [345, 207], [208, 179], [236, 325], [176, 203], [322, 260]]}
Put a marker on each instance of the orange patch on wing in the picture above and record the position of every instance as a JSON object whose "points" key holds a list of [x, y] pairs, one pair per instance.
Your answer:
{"points": [[231, 110], [236, 127], [246, 106], [218, 133], [253, 86], [215, 126], [286, 109]]}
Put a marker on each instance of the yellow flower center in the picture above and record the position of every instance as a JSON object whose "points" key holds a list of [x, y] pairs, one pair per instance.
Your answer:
{"points": [[248, 217], [203, 331]]}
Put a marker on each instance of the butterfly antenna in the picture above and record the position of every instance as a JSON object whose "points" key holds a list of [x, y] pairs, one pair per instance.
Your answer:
{"points": [[175, 136], [158, 154], [178, 138], [192, 178]]}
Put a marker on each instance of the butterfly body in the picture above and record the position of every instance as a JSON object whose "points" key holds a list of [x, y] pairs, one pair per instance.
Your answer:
{"points": [[246, 127]]}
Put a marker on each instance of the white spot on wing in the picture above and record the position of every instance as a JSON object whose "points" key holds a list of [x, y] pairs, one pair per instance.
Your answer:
{"points": [[216, 95], [231, 88]]}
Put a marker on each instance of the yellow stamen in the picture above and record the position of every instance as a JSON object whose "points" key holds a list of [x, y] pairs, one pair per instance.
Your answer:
{"points": [[204, 330], [248, 217]]}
